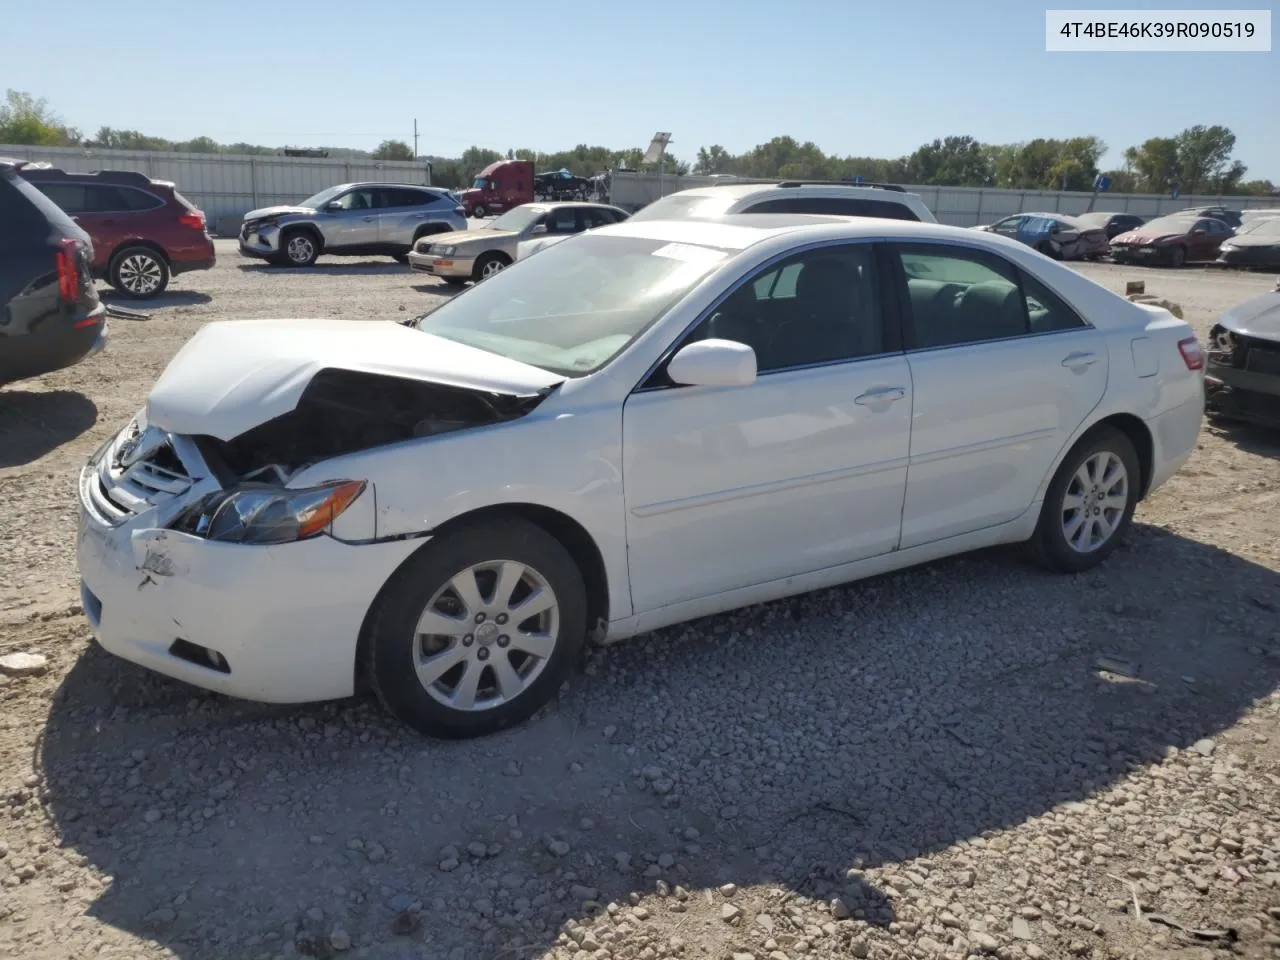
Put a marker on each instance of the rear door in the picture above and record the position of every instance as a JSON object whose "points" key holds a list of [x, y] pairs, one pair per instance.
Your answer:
{"points": [[400, 210], [1215, 233], [1003, 372]]}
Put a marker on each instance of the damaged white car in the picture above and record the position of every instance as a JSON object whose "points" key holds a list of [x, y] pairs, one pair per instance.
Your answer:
{"points": [[658, 421]]}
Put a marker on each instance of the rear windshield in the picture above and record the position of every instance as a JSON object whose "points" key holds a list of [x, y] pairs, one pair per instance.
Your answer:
{"points": [[680, 206], [25, 211], [184, 201]]}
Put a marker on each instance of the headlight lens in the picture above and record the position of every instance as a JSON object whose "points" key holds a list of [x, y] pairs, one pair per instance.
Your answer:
{"points": [[256, 513], [445, 251]]}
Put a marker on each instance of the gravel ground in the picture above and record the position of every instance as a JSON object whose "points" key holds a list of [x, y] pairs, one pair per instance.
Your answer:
{"points": [[929, 764]]}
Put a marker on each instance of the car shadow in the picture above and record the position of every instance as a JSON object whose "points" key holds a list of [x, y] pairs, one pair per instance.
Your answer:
{"points": [[34, 423], [230, 828], [170, 298], [439, 289], [358, 268], [1250, 437]]}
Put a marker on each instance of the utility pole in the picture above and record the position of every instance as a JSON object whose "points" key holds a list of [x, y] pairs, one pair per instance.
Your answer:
{"points": [[415, 138]]}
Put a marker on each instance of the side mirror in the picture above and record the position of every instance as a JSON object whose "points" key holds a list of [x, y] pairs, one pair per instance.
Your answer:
{"points": [[538, 228], [333, 205], [714, 363], [1198, 232]]}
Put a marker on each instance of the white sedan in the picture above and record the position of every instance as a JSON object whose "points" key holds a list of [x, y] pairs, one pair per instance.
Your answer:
{"points": [[654, 422]]}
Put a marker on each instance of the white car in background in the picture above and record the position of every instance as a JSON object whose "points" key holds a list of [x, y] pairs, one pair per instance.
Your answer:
{"points": [[659, 421]]}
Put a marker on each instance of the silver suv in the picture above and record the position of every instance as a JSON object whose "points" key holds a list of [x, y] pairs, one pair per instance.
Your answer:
{"points": [[350, 220], [887, 201]]}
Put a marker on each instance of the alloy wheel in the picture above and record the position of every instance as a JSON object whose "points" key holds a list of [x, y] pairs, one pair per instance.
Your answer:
{"points": [[140, 274], [486, 635], [1095, 502]]}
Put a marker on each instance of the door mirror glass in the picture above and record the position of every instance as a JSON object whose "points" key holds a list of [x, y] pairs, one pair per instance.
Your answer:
{"points": [[538, 228], [713, 363], [334, 206]]}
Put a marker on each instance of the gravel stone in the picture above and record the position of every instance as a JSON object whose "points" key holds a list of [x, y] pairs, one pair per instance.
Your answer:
{"points": [[24, 664]]}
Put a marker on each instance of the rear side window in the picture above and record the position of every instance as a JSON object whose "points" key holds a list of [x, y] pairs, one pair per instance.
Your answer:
{"points": [[398, 197], [139, 200], [104, 199], [1046, 311], [27, 213]]}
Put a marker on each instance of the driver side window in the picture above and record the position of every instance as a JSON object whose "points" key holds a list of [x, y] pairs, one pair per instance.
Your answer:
{"points": [[817, 307], [356, 200]]}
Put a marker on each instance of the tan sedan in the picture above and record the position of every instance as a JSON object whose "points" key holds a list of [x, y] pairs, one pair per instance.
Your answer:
{"points": [[476, 254]]}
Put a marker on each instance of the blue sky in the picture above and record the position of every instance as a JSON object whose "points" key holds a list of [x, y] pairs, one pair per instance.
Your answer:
{"points": [[856, 77]]}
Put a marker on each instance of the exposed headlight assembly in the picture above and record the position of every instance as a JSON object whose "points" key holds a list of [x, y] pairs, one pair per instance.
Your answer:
{"points": [[259, 513], [444, 251]]}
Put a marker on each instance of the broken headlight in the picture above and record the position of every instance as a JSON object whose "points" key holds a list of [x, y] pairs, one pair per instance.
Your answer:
{"points": [[260, 513]]}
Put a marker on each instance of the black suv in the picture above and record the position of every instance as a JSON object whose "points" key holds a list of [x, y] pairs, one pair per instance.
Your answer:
{"points": [[50, 314]]}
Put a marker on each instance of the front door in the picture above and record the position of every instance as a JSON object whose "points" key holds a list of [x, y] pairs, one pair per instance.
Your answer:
{"points": [[727, 487], [355, 223], [1004, 371]]}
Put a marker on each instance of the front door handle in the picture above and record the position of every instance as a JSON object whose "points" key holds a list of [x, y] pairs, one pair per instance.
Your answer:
{"points": [[880, 395], [1079, 360]]}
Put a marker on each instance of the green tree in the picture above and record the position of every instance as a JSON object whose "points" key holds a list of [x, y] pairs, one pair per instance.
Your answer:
{"points": [[953, 162], [1204, 159], [393, 150], [27, 120]]}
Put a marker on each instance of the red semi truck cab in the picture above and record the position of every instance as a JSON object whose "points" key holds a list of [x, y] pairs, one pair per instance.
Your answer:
{"points": [[499, 187]]}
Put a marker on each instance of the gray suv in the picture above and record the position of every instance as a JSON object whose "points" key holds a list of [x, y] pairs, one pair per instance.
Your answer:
{"points": [[350, 220]]}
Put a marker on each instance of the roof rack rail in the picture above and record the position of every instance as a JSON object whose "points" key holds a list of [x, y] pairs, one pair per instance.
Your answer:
{"points": [[843, 183], [16, 163]]}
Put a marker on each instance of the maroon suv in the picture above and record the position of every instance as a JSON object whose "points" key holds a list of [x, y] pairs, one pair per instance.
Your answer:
{"points": [[144, 231]]}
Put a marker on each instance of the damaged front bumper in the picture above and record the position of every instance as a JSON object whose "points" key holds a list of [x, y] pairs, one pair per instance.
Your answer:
{"points": [[1242, 379], [276, 623]]}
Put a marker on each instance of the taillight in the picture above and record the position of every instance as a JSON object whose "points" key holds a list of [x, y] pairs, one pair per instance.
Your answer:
{"points": [[68, 270], [194, 219], [1192, 353]]}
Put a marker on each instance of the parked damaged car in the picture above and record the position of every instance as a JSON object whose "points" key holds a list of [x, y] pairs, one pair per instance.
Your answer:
{"points": [[1171, 241], [597, 441], [1054, 234], [1256, 244], [1242, 376]]}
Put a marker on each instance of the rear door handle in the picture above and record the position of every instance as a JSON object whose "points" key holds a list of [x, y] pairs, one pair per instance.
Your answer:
{"points": [[1079, 360], [880, 395]]}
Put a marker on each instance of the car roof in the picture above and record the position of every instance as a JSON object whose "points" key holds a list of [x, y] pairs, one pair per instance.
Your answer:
{"points": [[741, 230], [739, 189], [556, 204]]}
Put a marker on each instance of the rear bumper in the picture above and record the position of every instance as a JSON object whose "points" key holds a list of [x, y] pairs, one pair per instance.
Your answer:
{"points": [[1175, 433], [1247, 395], [39, 353]]}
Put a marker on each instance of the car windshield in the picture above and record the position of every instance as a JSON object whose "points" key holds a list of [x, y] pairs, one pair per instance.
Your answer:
{"points": [[575, 306], [1261, 228], [680, 206], [1181, 224], [479, 183], [516, 219], [316, 201]]}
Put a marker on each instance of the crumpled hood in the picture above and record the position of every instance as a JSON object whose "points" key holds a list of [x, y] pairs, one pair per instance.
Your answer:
{"points": [[277, 211], [1259, 317], [233, 375], [1254, 240]]}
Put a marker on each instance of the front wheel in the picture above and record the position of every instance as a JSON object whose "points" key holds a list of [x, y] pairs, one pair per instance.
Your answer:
{"points": [[479, 212], [300, 248], [1177, 256], [139, 273], [400, 257], [1089, 504], [477, 630], [488, 265]]}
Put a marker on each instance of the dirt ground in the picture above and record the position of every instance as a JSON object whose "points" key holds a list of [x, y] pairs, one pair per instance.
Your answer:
{"points": [[926, 764]]}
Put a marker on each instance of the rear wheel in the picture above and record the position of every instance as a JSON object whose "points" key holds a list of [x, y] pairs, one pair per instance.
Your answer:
{"points": [[139, 272], [477, 630], [1089, 504]]}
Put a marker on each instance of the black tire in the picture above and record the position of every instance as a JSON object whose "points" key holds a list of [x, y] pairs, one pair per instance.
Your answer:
{"points": [[1177, 256], [455, 281], [400, 257], [1048, 249], [479, 212], [392, 644], [140, 273], [299, 247], [489, 264], [1049, 545]]}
